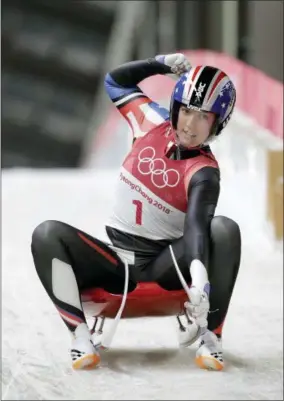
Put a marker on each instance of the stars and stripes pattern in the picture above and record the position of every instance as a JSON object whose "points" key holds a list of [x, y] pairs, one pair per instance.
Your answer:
{"points": [[206, 88]]}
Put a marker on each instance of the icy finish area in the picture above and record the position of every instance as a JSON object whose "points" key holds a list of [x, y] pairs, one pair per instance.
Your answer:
{"points": [[145, 362]]}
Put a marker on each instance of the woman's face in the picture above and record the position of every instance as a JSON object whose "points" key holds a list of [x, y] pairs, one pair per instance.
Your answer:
{"points": [[193, 127]]}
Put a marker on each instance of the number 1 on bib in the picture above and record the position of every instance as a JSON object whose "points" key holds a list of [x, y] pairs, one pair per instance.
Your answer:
{"points": [[138, 205]]}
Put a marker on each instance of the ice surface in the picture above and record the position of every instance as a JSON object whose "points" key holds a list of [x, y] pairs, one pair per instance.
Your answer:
{"points": [[144, 362]]}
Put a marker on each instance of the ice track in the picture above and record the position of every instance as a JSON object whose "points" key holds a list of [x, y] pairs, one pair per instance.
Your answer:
{"points": [[145, 362]]}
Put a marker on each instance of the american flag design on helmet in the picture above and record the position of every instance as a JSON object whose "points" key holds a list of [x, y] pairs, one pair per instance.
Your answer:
{"points": [[205, 88]]}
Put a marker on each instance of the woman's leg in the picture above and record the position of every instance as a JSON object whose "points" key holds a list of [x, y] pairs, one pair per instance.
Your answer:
{"points": [[68, 261], [222, 271]]}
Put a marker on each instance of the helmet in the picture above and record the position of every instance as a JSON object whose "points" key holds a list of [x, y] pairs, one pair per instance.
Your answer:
{"points": [[208, 89]]}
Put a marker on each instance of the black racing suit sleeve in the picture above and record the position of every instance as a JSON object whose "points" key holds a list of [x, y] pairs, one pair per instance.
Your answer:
{"points": [[132, 73], [203, 195], [122, 86]]}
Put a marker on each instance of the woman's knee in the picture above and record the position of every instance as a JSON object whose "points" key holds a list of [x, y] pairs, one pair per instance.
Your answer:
{"points": [[45, 232], [225, 230], [225, 255]]}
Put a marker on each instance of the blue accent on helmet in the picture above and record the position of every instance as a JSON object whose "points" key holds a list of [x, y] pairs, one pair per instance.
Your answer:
{"points": [[224, 100], [179, 88]]}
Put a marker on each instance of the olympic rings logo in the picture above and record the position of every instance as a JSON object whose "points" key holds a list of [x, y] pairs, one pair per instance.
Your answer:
{"points": [[160, 177]]}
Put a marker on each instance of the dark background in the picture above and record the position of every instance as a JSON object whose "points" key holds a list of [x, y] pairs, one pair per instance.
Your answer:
{"points": [[55, 54]]}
